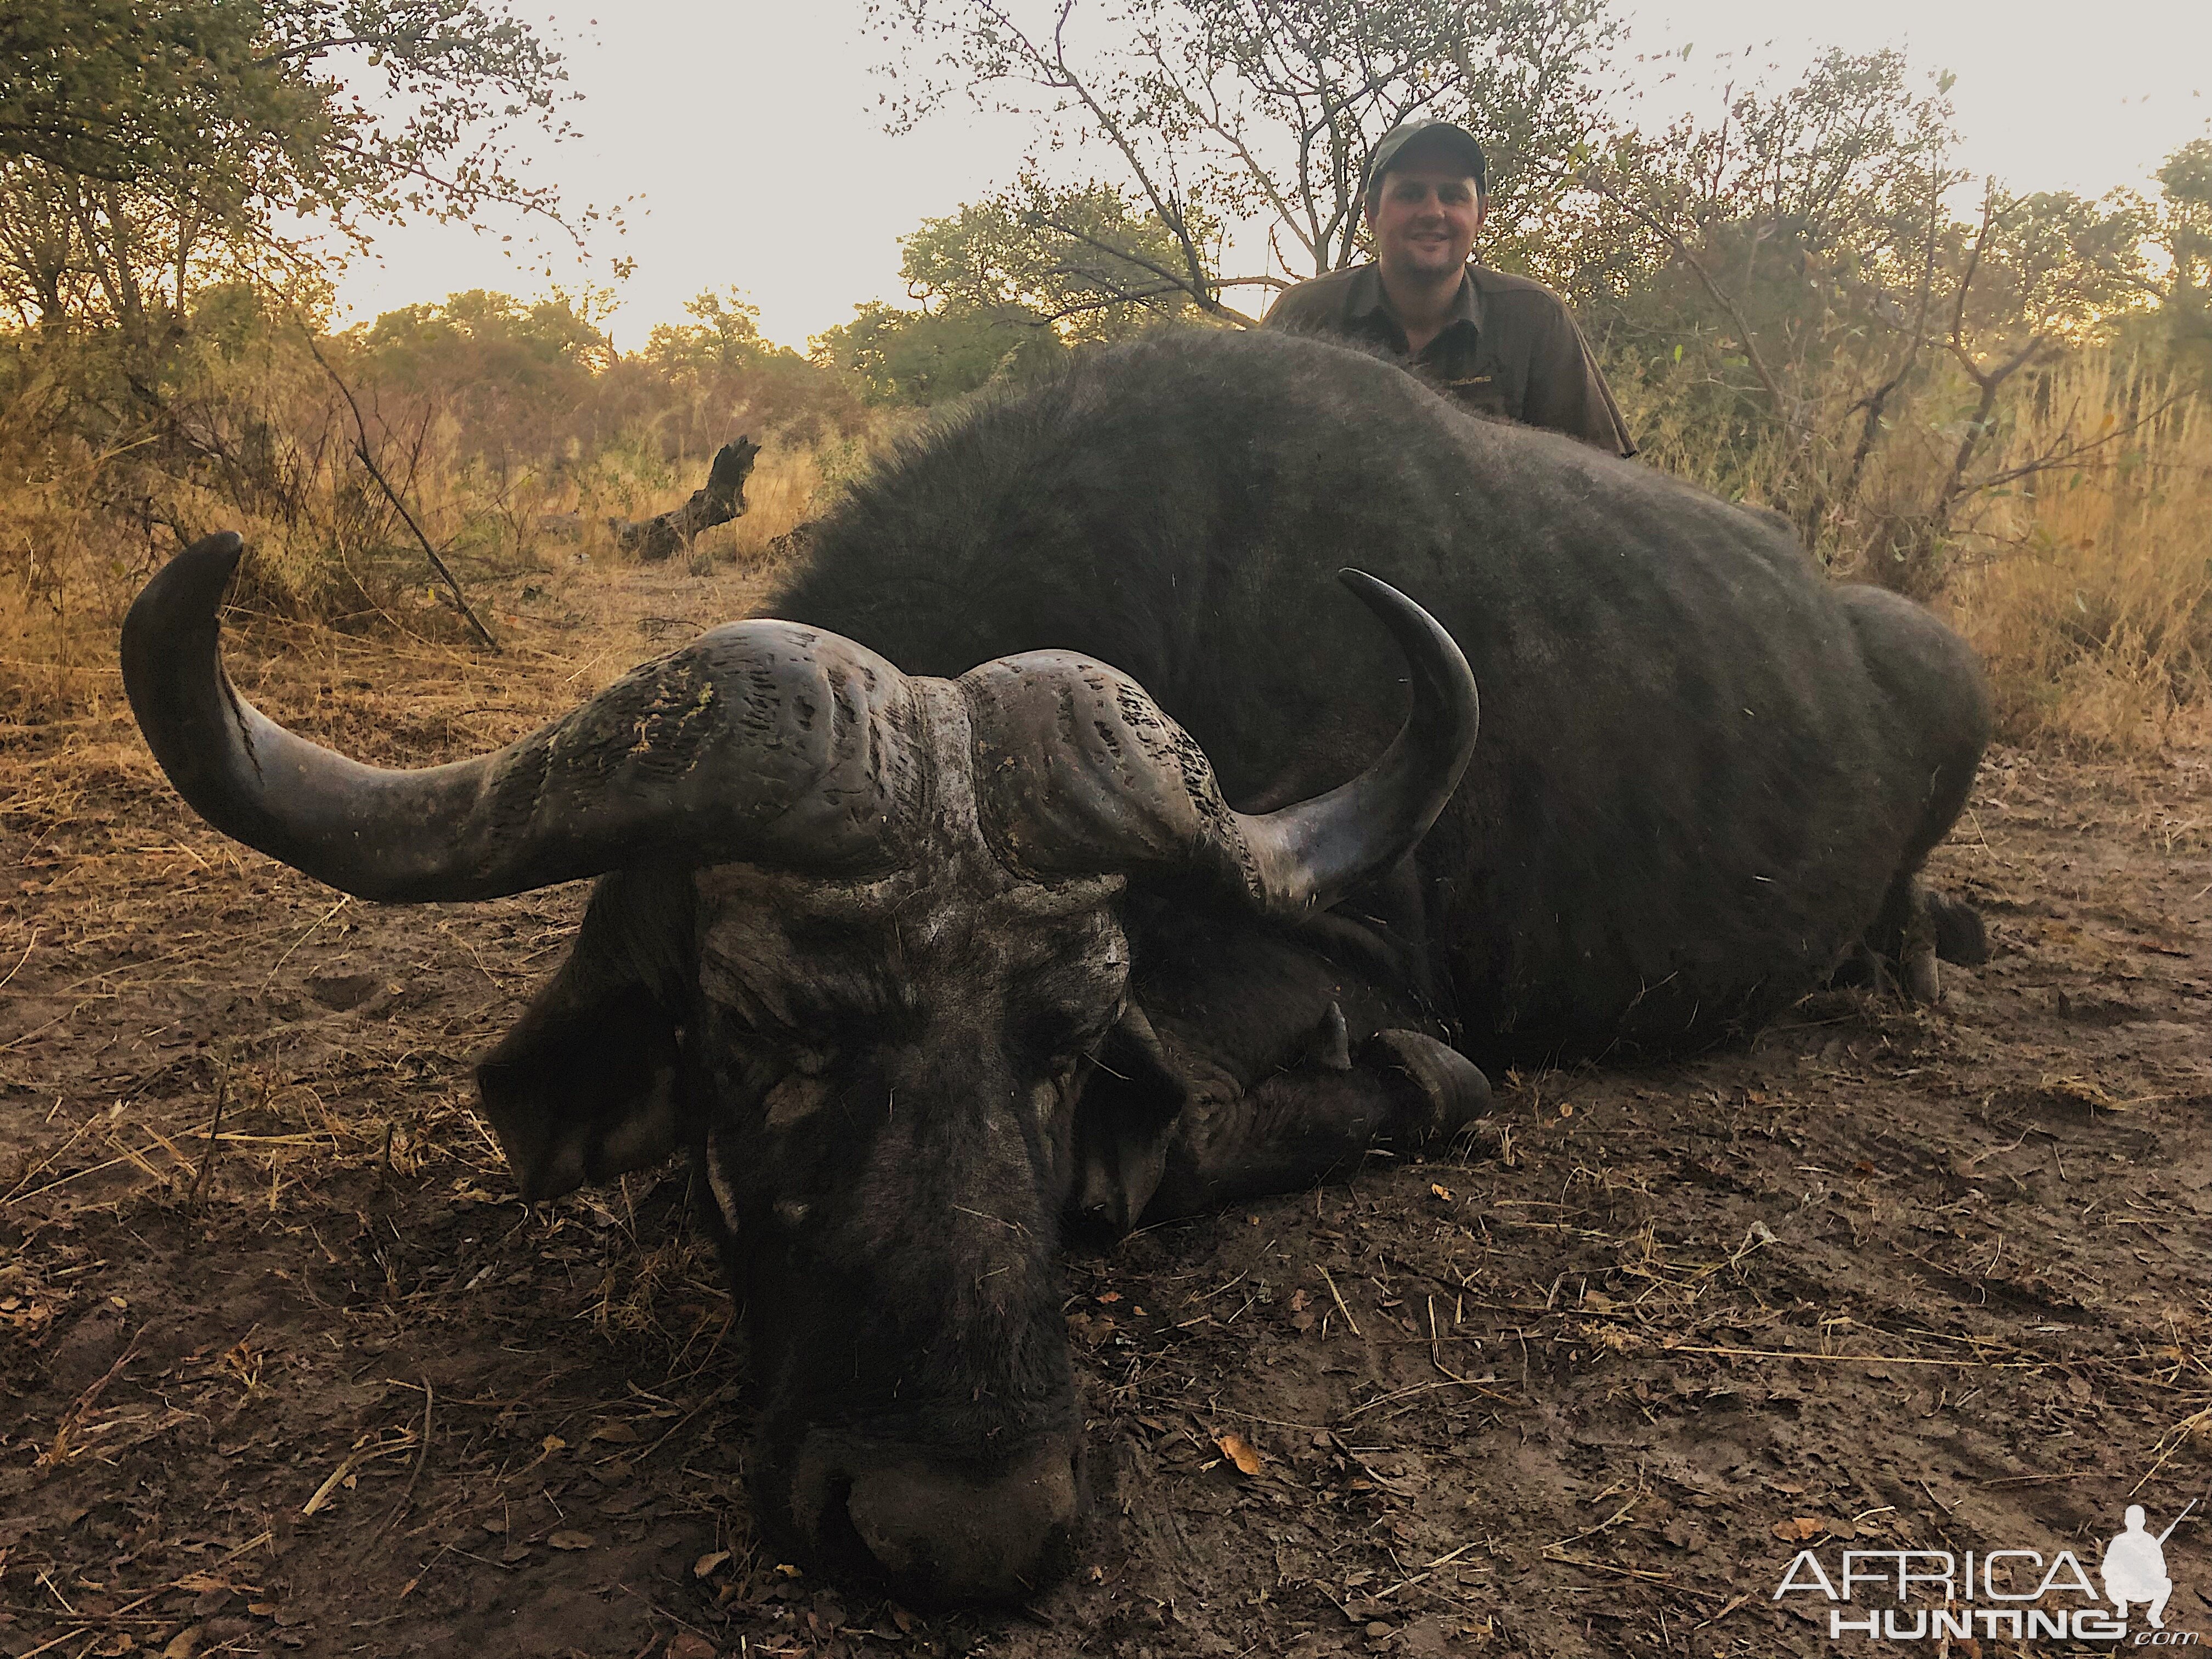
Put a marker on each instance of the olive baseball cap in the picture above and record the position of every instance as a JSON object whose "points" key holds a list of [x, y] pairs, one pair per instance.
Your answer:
{"points": [[1442, 137]]}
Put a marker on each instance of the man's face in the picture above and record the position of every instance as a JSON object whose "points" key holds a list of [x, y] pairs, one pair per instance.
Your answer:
{"points": [[1424, 219]]}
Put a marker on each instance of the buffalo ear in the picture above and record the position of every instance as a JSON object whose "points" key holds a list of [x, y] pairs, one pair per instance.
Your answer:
{"points": [[1130, 1103], [586, 1103], [587, 1086]]}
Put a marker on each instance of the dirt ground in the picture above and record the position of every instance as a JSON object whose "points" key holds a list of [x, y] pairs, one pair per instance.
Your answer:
{"points": [[319, 1385]]}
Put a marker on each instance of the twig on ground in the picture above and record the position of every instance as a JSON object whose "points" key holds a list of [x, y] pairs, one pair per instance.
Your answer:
{"points": [[304, 938], [73, 1418], [1733, 1603], [1551, 1550], [414, 1475], [352, 1462], [2171, 1442], [29, 944], [1847, 1358], [1340, 1308], [215, 1138], [74, 1174], [1478, 1383], [1443, 1560], [1645, 1576]]}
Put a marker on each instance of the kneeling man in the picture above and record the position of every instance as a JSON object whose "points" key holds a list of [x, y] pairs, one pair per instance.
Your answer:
{"points": [[1502, 345], [2135, 1570]]}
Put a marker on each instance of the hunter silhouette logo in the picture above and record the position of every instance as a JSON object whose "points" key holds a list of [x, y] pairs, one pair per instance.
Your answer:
{"points": [[2135, 1566]]}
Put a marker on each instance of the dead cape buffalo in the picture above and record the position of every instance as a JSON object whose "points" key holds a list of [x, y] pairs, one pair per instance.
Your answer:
{"points": [[924, 962]]}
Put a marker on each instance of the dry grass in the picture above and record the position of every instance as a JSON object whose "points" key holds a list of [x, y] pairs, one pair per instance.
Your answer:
{"points": [[68, 572], [2086, 585], [791, 484], [65, 571], [2090, 592], [97, 488]]}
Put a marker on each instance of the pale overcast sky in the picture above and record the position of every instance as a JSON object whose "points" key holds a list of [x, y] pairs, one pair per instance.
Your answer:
{"points": [[751, 136]]}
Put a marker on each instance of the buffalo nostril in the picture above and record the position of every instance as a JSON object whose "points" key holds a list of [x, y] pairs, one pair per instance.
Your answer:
{"points": [[815, 1504], [946, 1537]]}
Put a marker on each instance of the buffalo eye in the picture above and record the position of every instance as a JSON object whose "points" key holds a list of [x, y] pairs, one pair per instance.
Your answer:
{"points": [[1051, 1092], [796, 1098]]}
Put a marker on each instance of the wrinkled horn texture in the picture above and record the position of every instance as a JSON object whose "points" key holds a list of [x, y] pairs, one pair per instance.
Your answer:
{"points": [[761, 741], [1078, 770], [775, 744]]}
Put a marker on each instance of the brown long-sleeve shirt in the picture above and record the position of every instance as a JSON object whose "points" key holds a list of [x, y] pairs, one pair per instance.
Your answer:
{"points": [[1509, 349]]}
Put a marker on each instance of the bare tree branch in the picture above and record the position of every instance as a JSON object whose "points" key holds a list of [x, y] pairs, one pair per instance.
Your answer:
{"points": [[1789, 410], [368, 460]]}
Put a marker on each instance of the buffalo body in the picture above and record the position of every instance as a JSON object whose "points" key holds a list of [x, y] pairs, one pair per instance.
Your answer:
{"points": [[924, 961]]}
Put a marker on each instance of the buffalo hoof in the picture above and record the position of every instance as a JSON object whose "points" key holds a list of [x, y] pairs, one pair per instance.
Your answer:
{"points": [[945, 1536], [1923, 983], [1961, 934], [1452, 1089], [1918, 948]]}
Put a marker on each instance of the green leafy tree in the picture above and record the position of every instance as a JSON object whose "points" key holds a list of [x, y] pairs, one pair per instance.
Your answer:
{"points": [[724, 336], [1792, 276], [1007, 286], [546, 348], [2184, 225], [1764, 238], [509, 376], [1082, 259], [118, 92], [2186, 183], [921, 358], [147, 145], [725, 379], [248, 92]]}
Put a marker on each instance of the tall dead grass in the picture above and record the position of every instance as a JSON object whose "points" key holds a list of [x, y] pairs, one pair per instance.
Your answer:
{"points": [[65, 567], [791, 484], [2087, 588], [2078, 558]]}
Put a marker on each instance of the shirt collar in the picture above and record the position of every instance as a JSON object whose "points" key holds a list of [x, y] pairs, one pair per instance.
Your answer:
{"points": [[1366, 303]]}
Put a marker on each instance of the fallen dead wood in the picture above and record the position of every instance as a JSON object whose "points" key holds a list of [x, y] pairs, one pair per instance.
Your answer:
{"points": [[720, 499]]}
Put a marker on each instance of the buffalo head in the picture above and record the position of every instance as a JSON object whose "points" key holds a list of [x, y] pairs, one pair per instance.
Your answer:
{"points": [[857, 944]]}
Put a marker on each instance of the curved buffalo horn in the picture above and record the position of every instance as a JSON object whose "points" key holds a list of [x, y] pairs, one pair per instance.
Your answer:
{"points": [[1078, 769], [764, 742]]}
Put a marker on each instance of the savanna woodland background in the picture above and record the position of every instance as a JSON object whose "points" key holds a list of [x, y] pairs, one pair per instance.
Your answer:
{"points": [[283, 1366], [1978, 397]]}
